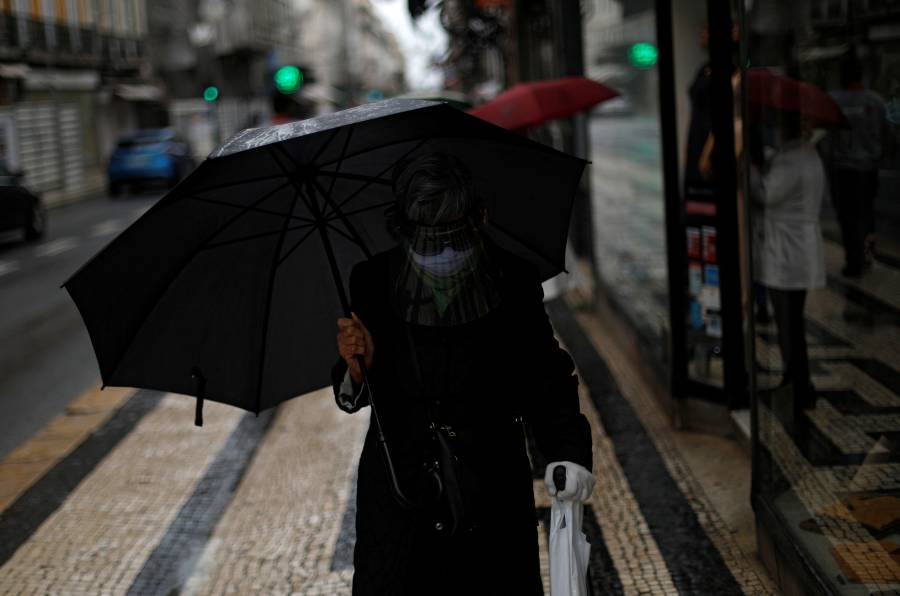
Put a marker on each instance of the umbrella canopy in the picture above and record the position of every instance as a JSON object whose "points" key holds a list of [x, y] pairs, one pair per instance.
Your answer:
{"points": [[529, 104], [455, 98], [229, 286], [766, 89]]}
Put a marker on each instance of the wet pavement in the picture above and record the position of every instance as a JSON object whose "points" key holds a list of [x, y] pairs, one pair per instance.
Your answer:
{"points": [[45, 356]]}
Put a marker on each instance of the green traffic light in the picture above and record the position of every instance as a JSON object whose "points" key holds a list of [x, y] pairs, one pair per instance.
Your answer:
{"points": [[643, 55], [288, 79], [211, 93]]}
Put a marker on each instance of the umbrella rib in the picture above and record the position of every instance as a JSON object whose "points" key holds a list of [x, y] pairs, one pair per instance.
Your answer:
{"points": [[268, 311], [382, 172], [187, 260], [244, 211], [254, 210], [369, 149], [356, 238], [298, 192], [291, 178], [359, 177], [341, 160], [337, 230], [323, 147], [238, 183], [257, 236], [297, 245], [363, 209]]}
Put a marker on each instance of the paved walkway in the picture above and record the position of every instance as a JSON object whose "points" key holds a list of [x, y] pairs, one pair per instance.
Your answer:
{"points": [[147, 503]]}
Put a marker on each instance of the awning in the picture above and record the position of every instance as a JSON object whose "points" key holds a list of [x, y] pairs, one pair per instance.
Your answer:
{"points": [[138, 92], [63, 80]]}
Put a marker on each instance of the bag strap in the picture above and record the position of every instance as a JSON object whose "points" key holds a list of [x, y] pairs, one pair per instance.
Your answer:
{"points": [[418, 372]]}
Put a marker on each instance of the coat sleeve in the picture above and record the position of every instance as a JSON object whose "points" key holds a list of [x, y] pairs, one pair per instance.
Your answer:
{"points": [[358, 397], [561, 431]]}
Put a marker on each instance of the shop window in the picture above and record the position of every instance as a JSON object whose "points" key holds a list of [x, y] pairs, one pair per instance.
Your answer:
{"points": [[823, 177]]}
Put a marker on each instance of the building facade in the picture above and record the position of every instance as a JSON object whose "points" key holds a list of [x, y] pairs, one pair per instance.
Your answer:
{"points": [[73, 74], [234, 47], [351, 57]]}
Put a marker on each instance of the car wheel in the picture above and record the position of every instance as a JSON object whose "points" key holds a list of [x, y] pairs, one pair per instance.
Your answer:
{"points": [[37, 222]]}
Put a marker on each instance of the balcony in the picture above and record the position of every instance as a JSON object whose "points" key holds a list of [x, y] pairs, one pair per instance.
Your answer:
{"points": [[63, 44]]}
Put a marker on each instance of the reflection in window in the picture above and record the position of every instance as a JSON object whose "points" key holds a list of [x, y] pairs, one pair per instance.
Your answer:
{"points": [[824, 177]]}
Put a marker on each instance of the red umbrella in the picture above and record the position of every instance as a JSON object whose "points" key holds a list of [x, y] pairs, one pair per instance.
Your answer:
{"points": [[768, 89], [530, 104]]}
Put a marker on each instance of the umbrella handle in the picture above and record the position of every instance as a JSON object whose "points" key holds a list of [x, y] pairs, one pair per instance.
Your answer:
{"points": [[401, 498], [559, 478]]}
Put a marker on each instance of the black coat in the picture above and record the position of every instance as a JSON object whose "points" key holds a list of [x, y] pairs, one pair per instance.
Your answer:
{"points": [[485, 377]]}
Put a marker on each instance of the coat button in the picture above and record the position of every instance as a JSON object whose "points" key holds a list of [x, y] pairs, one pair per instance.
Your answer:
{"points": [[439, 526]]}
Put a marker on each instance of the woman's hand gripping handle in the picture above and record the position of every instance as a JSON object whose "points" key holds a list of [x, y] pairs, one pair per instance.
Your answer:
{"points": [[353, 340]]}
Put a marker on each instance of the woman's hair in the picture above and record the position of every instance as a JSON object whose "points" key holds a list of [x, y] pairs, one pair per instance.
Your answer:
{"points": [[433, 189]]}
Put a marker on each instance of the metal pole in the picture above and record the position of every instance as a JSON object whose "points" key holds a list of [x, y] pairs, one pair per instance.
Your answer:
{"points": [[676, 254], [724, 165], [345, 305]]}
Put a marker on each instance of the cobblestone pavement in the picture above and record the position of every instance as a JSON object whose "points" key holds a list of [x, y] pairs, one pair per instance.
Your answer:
{"points": [[150, 504]]}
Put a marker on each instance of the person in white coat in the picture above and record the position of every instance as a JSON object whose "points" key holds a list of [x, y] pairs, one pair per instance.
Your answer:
{"points": [[788, 255]]}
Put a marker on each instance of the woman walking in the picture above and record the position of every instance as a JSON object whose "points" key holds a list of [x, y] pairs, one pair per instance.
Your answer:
{"points": [[454, 333]]}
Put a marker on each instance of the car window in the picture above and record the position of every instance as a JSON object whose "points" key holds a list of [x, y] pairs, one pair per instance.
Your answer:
{"points": [[150, 137]]}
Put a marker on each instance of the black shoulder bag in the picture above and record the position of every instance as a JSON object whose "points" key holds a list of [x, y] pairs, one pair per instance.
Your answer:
{"points": [[459, 494]]}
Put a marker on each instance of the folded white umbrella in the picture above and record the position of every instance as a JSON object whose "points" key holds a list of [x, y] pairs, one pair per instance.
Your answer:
{"points": [[569, 549]]}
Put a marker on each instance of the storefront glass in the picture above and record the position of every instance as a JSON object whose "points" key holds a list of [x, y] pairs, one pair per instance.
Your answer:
{"points": [[700, 192], [822, 175], [627, 189]]}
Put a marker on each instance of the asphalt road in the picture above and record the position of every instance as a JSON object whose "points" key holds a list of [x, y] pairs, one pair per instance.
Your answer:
{"points": [[46, 358]]}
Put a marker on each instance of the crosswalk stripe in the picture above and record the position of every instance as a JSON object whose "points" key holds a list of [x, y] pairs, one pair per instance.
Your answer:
{"points": [[112, 521], [55, 247], [8, 267], [36, 456], [176, 555], [105, 228], [302, 477]]}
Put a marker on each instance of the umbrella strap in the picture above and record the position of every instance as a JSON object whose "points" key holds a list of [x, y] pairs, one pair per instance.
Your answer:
{"points": [[200, 380], [419, 379]]}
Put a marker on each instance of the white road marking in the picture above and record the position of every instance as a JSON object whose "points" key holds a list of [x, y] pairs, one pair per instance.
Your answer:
{"points": [[105, 228], [8, 267], [56, 247]]}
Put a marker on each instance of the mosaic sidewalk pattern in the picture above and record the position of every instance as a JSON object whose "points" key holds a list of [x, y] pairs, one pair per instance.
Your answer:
{"points": [[281, 530], [264, 506], [31, 508], [823, 484], [98, 539], [698, 551]]}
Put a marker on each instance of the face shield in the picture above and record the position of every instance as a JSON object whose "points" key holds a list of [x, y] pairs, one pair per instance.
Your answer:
{"points": [[445, 278]]}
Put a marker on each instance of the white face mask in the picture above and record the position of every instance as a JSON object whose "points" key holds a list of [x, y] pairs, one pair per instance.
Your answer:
{"points": [[445, 263]]}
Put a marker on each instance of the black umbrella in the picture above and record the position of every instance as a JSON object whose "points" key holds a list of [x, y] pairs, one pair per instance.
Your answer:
{"points": [[228, 288]]}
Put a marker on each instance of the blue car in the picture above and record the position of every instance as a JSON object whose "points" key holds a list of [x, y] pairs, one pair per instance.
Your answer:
{"points": [[148, 156]]}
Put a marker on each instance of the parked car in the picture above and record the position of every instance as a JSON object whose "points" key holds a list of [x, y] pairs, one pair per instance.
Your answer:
{"points": [[155, 155], [20, 209]]}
